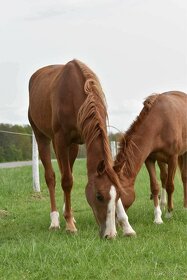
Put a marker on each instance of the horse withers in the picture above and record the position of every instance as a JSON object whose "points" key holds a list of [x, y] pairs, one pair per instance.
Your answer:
{"points": [[67, 106], [158, 133]]}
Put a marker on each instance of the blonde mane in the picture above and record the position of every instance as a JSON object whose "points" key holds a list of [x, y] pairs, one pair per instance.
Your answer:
{"points": [[91, 109], [148, 103], [127, 147], [91, 121]]}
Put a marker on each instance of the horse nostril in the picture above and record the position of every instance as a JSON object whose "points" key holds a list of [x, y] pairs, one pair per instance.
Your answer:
{"points": [[106, 236]]}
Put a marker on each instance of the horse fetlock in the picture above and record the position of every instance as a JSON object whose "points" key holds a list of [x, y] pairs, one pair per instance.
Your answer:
{"points": [[129, 232], [70, 226], [158, 215], [110, 236], [54, 220], [169, 215], [158, 220]]}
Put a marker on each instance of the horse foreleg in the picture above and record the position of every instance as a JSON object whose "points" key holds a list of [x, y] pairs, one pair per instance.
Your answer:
{"points": [[63, 157], [150, 164], [44, 152], [67, 183], [163, 178], [122, 219], [172, 166]]}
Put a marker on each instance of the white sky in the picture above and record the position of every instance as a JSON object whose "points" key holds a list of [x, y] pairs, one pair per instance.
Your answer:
{"points": [[136, 47]]}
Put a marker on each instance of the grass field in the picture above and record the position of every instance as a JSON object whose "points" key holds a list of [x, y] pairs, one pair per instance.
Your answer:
{"points": [[28, 250]]}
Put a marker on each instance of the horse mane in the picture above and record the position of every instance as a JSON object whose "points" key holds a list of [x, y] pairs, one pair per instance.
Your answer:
{"points": [[127, 147], [91, 109], [91, 121]]}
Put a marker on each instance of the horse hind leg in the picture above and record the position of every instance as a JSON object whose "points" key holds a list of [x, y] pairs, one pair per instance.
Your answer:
{"points": [[172, 166], [45, 156], [183, 169], [154, 190], [163, 178], [73, 151], [63, 157]]}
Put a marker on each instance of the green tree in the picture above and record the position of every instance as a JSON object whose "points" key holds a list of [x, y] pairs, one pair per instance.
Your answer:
{"points": [[16, 145]]}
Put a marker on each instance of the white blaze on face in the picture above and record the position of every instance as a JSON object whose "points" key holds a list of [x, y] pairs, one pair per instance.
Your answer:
{"points": [[123, 219], [110, 230]]}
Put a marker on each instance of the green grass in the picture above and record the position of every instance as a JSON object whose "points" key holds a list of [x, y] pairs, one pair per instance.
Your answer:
{"points": [[28, 250]]}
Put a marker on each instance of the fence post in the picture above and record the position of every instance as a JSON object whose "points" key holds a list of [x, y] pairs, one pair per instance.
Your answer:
{"points": [[113, 148], [35, 165]]}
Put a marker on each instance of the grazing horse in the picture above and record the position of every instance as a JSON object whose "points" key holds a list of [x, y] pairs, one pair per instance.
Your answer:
{"points": [[67, 106], [158, 133]]}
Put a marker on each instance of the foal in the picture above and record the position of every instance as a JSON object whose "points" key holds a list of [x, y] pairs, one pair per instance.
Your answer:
{"points": [[158, 133]]}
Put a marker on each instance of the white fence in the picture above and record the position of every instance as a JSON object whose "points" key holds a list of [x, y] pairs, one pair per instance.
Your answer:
{"points": [[35, 165], [35, 162]]}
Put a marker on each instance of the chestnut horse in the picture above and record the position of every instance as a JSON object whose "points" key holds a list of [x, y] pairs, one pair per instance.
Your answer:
{"points": [[67, 107], [158, 133]]}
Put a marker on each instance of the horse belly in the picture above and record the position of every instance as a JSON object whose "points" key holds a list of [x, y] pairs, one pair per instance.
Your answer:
{"points": [[159, 156], [40, 113]]}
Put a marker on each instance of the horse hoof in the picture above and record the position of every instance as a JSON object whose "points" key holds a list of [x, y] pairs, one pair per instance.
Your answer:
{"points": [[54, 220], [73, 231], [158, 222], [54, 227], [130, 233], [168, 215]]}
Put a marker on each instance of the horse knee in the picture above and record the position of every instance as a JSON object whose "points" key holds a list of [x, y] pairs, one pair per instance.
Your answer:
{"points": [[154, 190], [67, 183], [170, 188], [50, 178]]}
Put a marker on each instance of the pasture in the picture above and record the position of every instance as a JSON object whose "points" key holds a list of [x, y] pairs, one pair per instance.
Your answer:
{"points": [[28, 250]]}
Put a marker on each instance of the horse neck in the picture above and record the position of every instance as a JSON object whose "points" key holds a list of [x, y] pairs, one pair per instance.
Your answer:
{"points": [[136, 152]]}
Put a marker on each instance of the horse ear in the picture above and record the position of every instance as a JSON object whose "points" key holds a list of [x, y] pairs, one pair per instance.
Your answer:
{"points": [[101, 167], [117, 167]]}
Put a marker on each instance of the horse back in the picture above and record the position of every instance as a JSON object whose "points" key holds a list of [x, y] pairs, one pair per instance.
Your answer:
{"points": [[56, 93], [40, 96], [170, 112]]}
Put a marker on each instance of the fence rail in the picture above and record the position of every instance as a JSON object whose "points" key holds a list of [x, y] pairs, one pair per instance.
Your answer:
{"points": [[35, 158]]}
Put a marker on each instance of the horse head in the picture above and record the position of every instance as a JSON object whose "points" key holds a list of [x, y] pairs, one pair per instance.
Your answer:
{"points": [[102, 195]]}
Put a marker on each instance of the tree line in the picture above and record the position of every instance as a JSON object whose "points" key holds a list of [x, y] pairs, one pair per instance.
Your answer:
{"points": [[16, 143]]}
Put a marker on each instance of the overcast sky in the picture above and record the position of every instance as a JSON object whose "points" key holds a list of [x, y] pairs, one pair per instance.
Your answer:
{"points": [[136, 48]]}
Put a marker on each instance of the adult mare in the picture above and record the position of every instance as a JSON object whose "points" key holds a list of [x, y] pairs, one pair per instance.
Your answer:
{"points": [[67, 106]]}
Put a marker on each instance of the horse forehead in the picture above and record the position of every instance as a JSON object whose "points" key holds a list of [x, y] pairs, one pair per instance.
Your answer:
{"points": [[106, 189], [103, 180]]}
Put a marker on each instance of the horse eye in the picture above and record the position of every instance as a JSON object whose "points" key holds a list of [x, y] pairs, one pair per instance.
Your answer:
{"points": [[99, 197]]}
